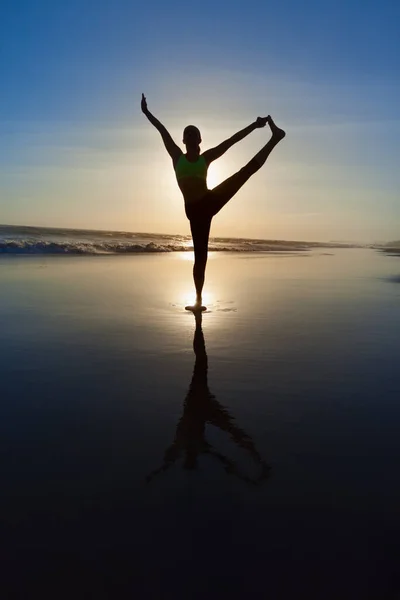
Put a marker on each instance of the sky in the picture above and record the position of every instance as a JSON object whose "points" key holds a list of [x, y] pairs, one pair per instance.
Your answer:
{"points": [[78, 152]]}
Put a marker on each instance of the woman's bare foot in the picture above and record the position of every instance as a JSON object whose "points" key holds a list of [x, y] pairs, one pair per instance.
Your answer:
{"points": [[196, 308], [276, 132]]}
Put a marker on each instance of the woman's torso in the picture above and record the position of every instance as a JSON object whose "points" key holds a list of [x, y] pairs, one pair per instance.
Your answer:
{"points": [[191, 177]]}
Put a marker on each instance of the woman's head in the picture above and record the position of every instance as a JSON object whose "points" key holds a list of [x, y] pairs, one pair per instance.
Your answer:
{"points": [[191, 136]]}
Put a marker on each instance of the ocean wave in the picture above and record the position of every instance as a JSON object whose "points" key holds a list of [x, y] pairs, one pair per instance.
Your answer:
{"points": [[25, 240], [80, 247]]}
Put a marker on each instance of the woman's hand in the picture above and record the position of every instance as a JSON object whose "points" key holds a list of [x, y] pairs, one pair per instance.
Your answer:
{"points": [[261, 121], [144, 104]]}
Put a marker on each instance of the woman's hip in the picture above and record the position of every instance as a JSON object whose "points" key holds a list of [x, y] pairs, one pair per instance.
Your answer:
{"points": [[202, 208]]}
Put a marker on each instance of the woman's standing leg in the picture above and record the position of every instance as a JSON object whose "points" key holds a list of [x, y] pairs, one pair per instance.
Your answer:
{"points": [[200, 229]]}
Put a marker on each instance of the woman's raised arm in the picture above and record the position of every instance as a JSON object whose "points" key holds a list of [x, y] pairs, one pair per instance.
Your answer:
{"points": [[214, 153], [173, 150]]}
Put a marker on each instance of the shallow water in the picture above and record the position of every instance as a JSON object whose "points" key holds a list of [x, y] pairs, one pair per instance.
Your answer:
{"points": [[268, 466]]}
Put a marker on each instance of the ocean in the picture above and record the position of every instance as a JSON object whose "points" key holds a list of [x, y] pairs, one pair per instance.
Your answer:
{"points": [[146, 454], [41, 240]]}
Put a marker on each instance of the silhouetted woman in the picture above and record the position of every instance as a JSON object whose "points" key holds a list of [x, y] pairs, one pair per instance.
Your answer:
{"points": [[202, 204]]}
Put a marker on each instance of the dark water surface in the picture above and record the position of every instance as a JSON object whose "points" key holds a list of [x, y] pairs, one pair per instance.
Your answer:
{"points": [[253, 455]]}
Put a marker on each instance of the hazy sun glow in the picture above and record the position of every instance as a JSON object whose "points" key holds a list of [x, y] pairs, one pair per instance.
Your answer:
{"points": [[188, 298], [213, 176], [188, 255]]}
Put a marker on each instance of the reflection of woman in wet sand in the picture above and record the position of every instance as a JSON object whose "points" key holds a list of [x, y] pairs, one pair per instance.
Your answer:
{"points": [[202, 204], [201, 408]]}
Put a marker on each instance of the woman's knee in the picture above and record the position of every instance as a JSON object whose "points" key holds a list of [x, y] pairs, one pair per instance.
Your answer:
{"points": [[200, 260]]}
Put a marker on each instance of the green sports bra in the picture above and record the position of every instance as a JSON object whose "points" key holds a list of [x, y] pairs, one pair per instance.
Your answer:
{"points": [[185, 168]]}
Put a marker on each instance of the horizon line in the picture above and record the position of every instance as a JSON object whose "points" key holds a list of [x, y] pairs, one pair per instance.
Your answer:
{"points": [[354, 243]]}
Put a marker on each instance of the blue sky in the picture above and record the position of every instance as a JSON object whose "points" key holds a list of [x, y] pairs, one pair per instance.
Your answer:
{"points": [[78, 152]]}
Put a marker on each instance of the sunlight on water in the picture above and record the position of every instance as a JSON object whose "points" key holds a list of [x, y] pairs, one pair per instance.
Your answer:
{"points": [[188, 298], [188, 255]]}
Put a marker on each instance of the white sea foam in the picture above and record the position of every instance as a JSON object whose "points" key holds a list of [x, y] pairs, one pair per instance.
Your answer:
{"points": [[38, 240]]}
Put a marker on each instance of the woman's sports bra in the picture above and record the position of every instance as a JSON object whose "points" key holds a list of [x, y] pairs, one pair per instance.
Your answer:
{"points": [[185, 168]]}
